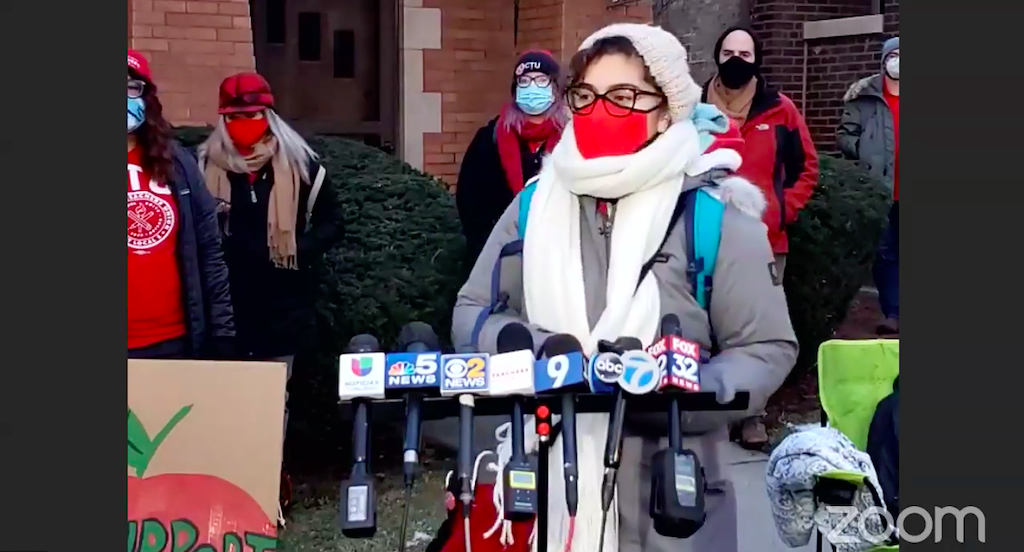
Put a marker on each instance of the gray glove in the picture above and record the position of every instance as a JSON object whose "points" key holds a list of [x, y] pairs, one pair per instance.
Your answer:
{"points": [[714, 378]]}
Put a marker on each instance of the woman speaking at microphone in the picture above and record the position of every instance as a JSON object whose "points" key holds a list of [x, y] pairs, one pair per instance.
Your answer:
{"points": [[603, 257]]}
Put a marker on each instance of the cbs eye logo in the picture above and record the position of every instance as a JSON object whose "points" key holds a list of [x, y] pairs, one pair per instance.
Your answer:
{"points": [[459, 368], [456, 368]]}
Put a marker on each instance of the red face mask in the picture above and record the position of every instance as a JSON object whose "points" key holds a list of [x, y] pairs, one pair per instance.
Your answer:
{"points": [[599, 134], [245, 133]]}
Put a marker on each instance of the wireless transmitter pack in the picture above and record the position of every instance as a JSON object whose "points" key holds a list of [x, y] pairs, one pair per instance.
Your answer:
{"points": [[358, 517], [677, 493], [520, 490]]}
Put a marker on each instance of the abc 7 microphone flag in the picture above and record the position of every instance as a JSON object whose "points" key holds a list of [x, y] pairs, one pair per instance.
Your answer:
{"points": [[635, 372]]}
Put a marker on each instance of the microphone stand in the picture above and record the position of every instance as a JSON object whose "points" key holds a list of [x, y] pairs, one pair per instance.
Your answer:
{"points": [[675, 426], [613, 445], [410, 457], [542, 497], [612, 460], [466, 403]]}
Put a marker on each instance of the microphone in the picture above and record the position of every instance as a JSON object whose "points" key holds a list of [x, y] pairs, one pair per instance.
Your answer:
{"points": [[464, 375], [562, 371], [678, 359], [512, 374], [636, 373], [677, 478], [414, 370], [360, 377]]}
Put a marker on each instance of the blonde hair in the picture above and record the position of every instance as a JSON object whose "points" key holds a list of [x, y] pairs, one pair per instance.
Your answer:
{"points": [[292, 146]]}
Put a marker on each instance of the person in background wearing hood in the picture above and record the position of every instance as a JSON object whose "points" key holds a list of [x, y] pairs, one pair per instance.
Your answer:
{"points": [[276, 220], [507, 151], [179, 303], [603, 257], [778, 156], [869, 132]]}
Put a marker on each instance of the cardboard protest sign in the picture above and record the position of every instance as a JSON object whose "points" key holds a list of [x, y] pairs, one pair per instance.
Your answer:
{"points": [[204, 455]]}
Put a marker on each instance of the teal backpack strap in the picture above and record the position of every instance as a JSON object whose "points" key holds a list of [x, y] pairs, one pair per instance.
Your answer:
{"points": [[525, 197], [703, 213]]}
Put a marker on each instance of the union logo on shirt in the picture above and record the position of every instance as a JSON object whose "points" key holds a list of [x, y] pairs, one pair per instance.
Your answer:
{"points": [[150, 221]]}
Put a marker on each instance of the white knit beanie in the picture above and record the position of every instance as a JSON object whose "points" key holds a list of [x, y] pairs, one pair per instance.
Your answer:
{"points": [[666, 59]]}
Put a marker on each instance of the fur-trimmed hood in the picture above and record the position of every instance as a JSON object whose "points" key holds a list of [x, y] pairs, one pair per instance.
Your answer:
{"points": [[868, 86], [745, 196]]}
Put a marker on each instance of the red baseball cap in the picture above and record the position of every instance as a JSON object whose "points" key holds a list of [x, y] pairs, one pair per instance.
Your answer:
{"points": [[245, 93], [138, 63]]}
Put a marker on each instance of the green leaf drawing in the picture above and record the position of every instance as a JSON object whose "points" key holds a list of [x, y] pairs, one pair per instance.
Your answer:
{"points": [[140, 447]]}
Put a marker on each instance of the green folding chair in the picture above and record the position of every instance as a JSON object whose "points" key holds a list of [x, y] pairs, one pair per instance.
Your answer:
{"points": [[853, 376]]}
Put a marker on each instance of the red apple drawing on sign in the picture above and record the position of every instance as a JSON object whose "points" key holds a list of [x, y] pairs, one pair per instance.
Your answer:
{"points": [[188, 512]]}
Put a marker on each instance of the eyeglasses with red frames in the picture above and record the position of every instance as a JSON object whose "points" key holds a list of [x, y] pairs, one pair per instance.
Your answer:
{"points": [[136, 88], [619, 101], [543, 81]]}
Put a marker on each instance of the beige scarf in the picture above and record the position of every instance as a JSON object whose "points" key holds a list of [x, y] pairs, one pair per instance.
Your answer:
{"points": [[734, 103], [284, 195]]}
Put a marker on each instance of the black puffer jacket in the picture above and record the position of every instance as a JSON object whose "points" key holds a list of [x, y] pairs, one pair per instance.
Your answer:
{"points": [[273, 306], [204, 273], [482, 193]]}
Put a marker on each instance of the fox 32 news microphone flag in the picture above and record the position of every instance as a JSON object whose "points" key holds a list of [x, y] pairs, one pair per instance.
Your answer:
{"points": [[204, 454]]}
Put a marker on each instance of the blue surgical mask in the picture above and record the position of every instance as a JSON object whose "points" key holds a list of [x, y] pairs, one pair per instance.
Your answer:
{"points": [[534, 100], [136, 113]]}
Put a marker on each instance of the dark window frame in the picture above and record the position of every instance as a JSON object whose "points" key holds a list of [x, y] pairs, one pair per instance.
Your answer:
{"points": [[306, 51], [275, 22], [343, 60]]}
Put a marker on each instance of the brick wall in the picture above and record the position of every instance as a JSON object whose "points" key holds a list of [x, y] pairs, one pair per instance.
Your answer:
{"points": [[832, 63], [192, 45], [583, 17], [559, 26], [698, 24], [473, 68], [540, 26]]}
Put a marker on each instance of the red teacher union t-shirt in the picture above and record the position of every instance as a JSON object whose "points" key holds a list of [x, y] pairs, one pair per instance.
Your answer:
{"points": [[155, 304]]}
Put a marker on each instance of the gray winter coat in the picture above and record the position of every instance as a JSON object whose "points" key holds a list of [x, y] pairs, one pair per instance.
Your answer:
{"points": [[751, 324], [866, 131]]}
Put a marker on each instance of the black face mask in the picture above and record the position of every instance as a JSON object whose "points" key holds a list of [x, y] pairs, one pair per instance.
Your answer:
{"points": [[736, 72]]}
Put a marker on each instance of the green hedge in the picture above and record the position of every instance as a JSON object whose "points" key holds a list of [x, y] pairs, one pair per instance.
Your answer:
{"points": [[832, 246], [400, 257]]}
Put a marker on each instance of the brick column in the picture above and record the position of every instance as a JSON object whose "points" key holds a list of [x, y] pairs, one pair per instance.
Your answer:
{"points": [[471, 72], [192, 45]]}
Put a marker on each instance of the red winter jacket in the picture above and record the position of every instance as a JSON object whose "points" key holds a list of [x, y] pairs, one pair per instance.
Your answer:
{"points": [[780, 158]]}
